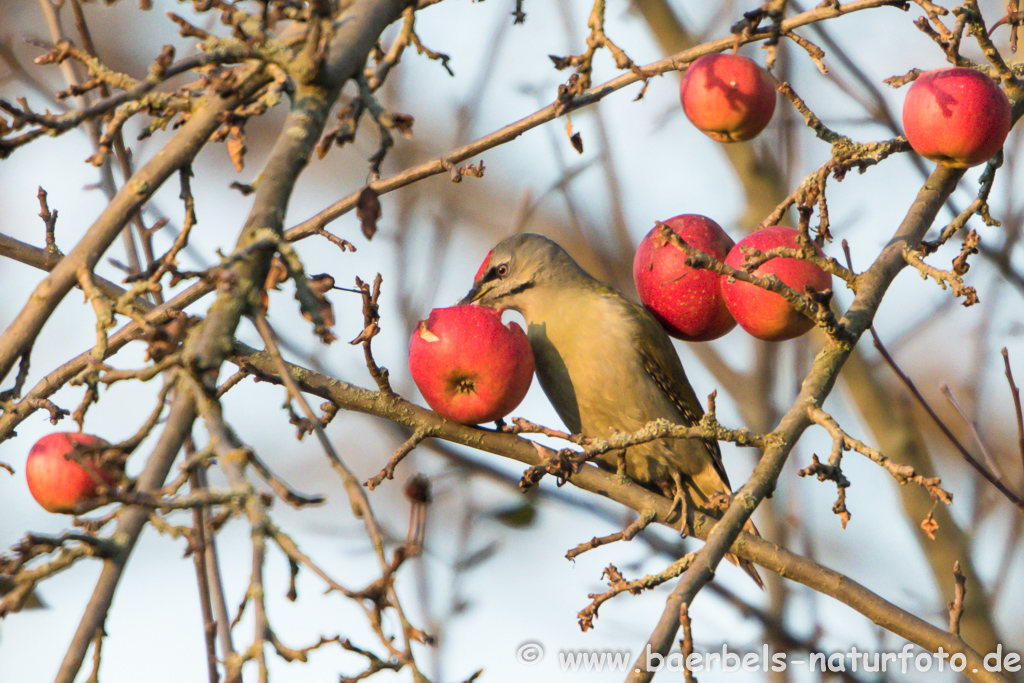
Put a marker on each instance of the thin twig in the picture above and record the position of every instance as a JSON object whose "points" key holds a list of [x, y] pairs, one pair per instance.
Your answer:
{"points": [[990, 462], [628, 493], [618, 585], [627, 534], [389, 470], [1015, 392], [360, 504], [686, 644], [446, 162], [197, 545], [956, 605], [971, 460], [903, 474]]}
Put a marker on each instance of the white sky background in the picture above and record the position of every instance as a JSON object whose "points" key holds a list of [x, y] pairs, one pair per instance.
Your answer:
{"points": [[527, 591]]}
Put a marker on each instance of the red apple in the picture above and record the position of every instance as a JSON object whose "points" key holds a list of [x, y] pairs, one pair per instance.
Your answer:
{"points": [[728, 97], [764, 314], [686, 301], [958, 117], [60, 484], [469, 366]]}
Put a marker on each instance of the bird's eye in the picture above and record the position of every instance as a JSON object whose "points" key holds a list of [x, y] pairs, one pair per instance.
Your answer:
{"points": [[501, 270]]}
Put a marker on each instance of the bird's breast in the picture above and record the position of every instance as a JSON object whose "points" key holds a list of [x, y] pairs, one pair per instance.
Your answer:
{"points": [[589, 367]]}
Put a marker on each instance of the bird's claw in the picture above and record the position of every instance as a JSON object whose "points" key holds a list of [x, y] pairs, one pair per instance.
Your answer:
{"points": [[678, 512]]}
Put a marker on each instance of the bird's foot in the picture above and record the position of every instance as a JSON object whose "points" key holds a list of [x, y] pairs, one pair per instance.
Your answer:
{"points": [[679, 509], [620, 465], [720, 502], [678, 513]]}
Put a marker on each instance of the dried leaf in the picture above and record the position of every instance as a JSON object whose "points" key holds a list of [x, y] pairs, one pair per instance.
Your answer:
{"points": [[322, 307], [561, 62], [574, 138], [325, 310], [368, 333], [929, 526], [577, 143], [368, 211], [402, 123], [417, 489], [236, 147], [165, 339], [277, 274], [321, 284]]}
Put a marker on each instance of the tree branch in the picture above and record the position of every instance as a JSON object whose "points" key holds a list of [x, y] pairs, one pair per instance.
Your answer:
{"points": [[179, 426], [20, 334]]}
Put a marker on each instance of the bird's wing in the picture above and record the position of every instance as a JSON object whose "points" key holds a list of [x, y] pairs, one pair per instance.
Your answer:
{"points": [[663, 364]]}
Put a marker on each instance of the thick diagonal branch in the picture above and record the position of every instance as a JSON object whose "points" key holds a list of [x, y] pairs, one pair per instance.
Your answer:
{"points": [[607, 484], [179, 426], [815, 389], [355, 33], [18, 337]]}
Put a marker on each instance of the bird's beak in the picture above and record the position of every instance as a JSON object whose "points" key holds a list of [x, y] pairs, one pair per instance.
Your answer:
{"points": [[473, 296]]}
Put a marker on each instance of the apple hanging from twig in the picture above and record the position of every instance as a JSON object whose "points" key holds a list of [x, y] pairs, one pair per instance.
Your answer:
{"points": [[62, 484], [728, 97], [958, 117], [764, 314], [686, 301]]}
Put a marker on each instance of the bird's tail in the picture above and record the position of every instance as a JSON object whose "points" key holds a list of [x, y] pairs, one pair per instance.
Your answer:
{"points": [[711, 481], [747, 565]]}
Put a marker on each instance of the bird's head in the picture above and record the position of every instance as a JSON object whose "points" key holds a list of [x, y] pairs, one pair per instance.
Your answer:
{"points": [[517, 269]]}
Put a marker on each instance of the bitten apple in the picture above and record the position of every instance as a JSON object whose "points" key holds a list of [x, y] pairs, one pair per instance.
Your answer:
{"points": [[686, 301], [958, 117], [60, 484], [764, 314], [728, 97], [470, 367]]}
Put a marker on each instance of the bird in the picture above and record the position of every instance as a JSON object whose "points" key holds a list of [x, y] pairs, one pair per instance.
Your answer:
{"points": [[607, 366]]}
